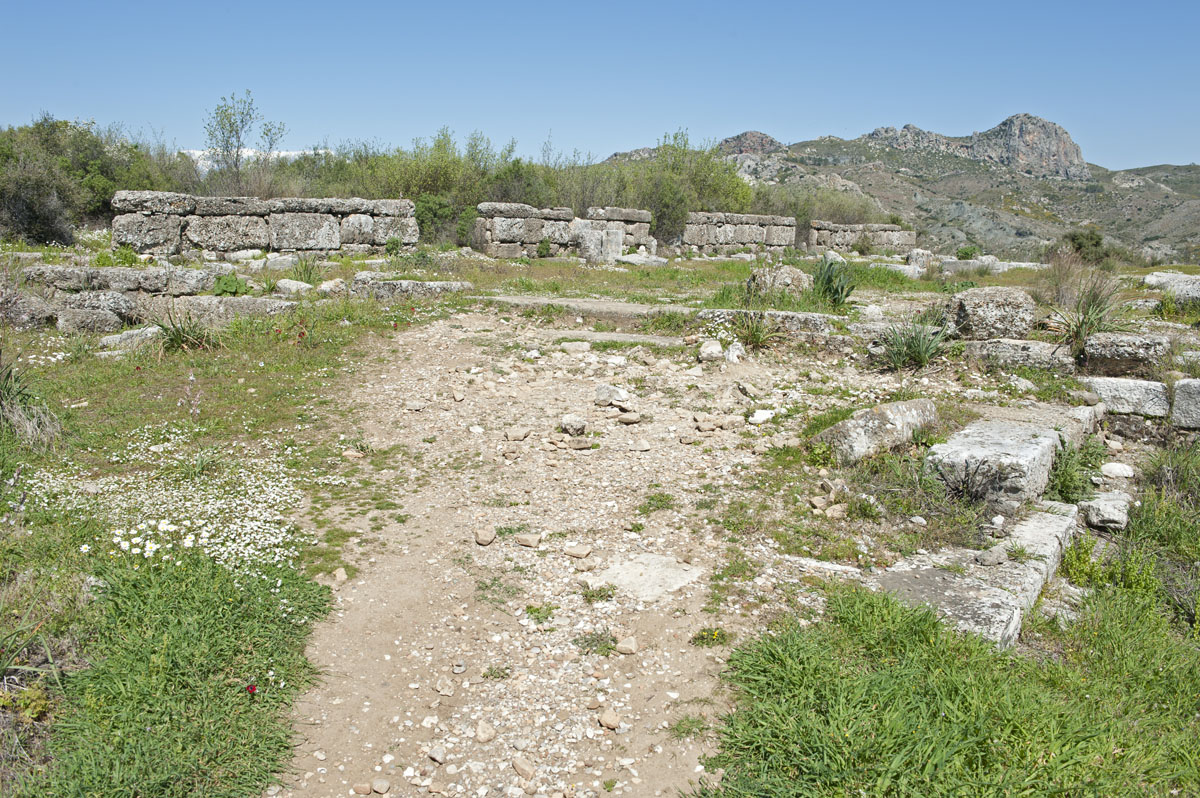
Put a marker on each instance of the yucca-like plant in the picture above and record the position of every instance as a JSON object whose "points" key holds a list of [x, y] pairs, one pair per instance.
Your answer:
{"points": [[184, 334], [1096, 309], [832, 283], [912, 344]]}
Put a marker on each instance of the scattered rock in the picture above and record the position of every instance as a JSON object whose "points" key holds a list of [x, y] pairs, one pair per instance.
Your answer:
{"points": [[627, 646], [874, 430], [710, 351], [484, 732], [523, 767], [993, 556], [609, 719], [529, 539], [485, 537], [1117, 471], [760, 417], [575, 347], [573, 424], [1108, 510]]}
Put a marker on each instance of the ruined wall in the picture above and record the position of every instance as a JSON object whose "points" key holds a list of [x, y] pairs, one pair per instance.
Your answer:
{"points": [[723, 232], [827, 235], [513, 230], [166, 223]]}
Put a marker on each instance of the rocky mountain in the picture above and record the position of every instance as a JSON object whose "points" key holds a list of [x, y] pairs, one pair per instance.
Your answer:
{"points": [[1011, 189]]}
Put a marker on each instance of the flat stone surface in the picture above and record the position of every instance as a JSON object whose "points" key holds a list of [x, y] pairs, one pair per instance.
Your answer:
{"points": [[996, 460], [1126, 396], [988, 600], [649, 577]]}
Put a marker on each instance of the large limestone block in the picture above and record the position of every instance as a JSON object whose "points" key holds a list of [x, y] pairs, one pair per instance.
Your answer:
{"points": [[1125, 396], [73, 321], [533, 230], [390, 207], [158, 234], [213, 310], [189, 282], [557, 214], [1015, 352], [619, 214], [115, 303], [232, 206], [404, 228], [508, 230], [992, 312], [780, 236], [996, 460], [750, 233], [305, 231], [227, 233], [481, 234], [508, 210], [358, 228], [166, 202], [1185, 412], [877, 429], [385, 285], [559, 232], [24, 311], [1185, 287], [1116, 354], [695, 235]]}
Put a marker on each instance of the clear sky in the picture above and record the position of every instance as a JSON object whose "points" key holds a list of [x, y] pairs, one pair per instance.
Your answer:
{"points": [[1122, 78]]}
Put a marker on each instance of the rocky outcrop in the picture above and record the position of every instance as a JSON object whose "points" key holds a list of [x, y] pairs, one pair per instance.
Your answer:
{"points": [[1023, 142]]}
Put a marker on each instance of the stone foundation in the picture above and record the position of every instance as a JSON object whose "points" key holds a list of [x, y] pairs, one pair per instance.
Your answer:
{"points": [[514, 230], [827, 235], [164, 223], [720, 233]]}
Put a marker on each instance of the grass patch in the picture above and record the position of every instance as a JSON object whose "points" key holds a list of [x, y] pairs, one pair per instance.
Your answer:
{"points": [[881, 699], [1073, 469], [655, 502], [711, 636], [591, 595], [687, 726], [600, 642]]}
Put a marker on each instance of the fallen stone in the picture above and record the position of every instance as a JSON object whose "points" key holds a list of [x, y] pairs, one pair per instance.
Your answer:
{"points": [[573, 424], [609, 719], [575, 347], [991, 312], [1126, 396], [1117, 471], [484, 732], [381, 786], [993, 556], [485, 537], [778, 279], [529, 540], [996, 460], [579, 552], [1109, 510], [710, 351], [627, 646], [874, 430], [130, 339], [610, 395], [760, 417], [1015, 353], [523, 767], [516, 433]]}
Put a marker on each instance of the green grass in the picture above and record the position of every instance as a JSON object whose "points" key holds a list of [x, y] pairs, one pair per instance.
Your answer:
{"points": [[600, 642], [1073, 469], [881, 699], [711, 636], [686, 727], [655, 502], [592, 595]]}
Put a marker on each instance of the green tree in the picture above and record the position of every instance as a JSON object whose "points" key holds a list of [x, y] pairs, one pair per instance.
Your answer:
{"points": [[228, 130]]}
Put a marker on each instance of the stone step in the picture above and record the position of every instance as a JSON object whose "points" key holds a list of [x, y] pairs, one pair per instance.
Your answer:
{"points": [[996, 461], [988, 600]]}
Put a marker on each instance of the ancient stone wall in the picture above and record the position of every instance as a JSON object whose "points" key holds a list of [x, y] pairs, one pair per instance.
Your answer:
{"points": [[513, 230], [827, 235], [166, 223], [725, 232]]}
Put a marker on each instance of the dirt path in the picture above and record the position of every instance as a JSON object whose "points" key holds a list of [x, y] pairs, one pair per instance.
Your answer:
{"points": [[436, 679]]}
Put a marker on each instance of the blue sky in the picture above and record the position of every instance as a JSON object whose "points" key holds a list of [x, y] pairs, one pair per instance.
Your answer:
{"points": [[1122, 78]]}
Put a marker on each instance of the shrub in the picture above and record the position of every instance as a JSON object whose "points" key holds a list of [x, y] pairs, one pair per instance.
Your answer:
{"points": [[125, 256], [912, 345], [967, 252], [394, 246], [543, 248], [832, 284], [230, 285], [863, 245]]}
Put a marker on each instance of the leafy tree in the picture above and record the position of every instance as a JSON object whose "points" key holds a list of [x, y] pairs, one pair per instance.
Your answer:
{"points": [[228, 130]]}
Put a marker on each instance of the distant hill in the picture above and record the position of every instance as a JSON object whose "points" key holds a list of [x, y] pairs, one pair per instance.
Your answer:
{"points": [[1011, 189]]}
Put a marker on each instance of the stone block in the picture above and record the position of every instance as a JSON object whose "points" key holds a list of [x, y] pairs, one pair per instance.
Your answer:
{"points": [[532, 232], [559, 232], [158, 234], [508, 210], [787, 279], [1185, 287], [619, 214], [114, 302], [1124, 396], [227, 233], [695, 235], [358, 228], [557, 214], [73, 321], [188, 282], [480, 234], [231, 206], [304, 231], [391, 207], [1108, 510], [404, 228], [992, 312], [506, 230], [1015, 352], [878, 429], [1185, 413], [780, 236], [996, 460], [164, 202], [1116, 354], [497, 250]]}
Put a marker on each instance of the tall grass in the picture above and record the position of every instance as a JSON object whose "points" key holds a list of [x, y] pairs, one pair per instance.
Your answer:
{"points": [[881, 699]]}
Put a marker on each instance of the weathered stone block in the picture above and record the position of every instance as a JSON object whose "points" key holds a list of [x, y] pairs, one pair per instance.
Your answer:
{"points": [[358, 228], [1116, 354], [72, 321], [115, 303], [508, 210], [619, 214], [557, 214], [1015, 352], [558, 232], [165, 202], [404, 228], [227, 233], [497, 250], [1125, 396], [875, 430], [996, 460], [779, 236], [508, 230], [983, 313], [532, 232], [787, 279], [1185, 413], [391, 207], [231, 206], [188, 282], [304, 231], [158, 234], [695, 235], [480, 234]]}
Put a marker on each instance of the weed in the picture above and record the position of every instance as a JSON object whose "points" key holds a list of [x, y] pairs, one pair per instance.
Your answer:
{"points": [[1096, 309], [655, 502], [540, 613], [308, 269], [711, 636], [671, 321], [1019, 553], [497, 672], [21, 411], [832, 283], [600, 642], [592, 595], [967, 253], [757, 330], [184, 334], [509, 531], [543, 248], [230, 285], [687, 727], [912, 345], [1072, 472], [495, 591]]}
